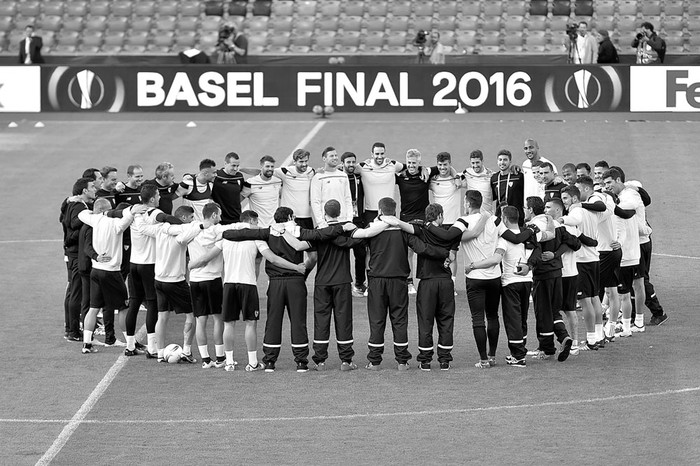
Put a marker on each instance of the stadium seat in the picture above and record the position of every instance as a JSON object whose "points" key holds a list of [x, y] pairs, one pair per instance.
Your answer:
{"points": [[675, 50], [207, 42], [301, 38], [164, 40], [400, 8], [71, 23], [354, 8], [492, 23], [190, 8], [279, 40], [377, 8], [323, 42], [114, 39], [446, 23], [604, 7], [166, 23], [491, 38], [559, 23], [91, 39], [448, 38], [471, 8], [692, 7], [561, 8], [693, 40], [557, 40], [257, 39], [53, 8], [6, 24], [117, 24], [141, 23], [375, 23], [693, 24], [211, 8], [677, 38], [211, 24], [465, 39], [348, 41], [327, 24], [262, 8], [396, 39], [139, 38], [257, 24], [583, 8], [672, 23], [538, 7], [280, 24], [423, 8], [276, 49], [536, 38], [422, 23], [655, 20], [50, 23], [330, 9], [187, 23], [238, 8], [373, 42], [299, 49], [306, 8], [516, 7], [96, 23], [303, 24], [468, 23], [282, 8], [537, 23], [490, 49], [169, 8], [514, 23], [144, 8], [674, 7], [606, 23], [61, 49], [627, 24], [29, 8], [186, 39], [8, 9], [627, 8], [121, 8], [493, 8], [398, 23], [447, 8], [350, 23], [69, 38], [651, 8]]}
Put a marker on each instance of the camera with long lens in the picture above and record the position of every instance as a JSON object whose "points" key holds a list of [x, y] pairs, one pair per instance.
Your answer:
{"points": [[224, 33], [421, 39], [572, 30], [640, 36]]}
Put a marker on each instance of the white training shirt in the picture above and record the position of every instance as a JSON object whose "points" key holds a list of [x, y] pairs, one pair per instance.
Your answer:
{"points": [[587, 222], [296, 189], [171, 245], [143, 247], [630, 199], [607, 227], [107, 234], [198, 247], [480, 248], [378, 181], [481, 182], [514, 255], [264, 197], [449, 196], [327, 185], [568, 259], [532, 187]]}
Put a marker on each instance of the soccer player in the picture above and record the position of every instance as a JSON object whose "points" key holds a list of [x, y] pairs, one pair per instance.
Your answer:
{"points": [[107, 288], [387, 292], [84, 191], [587, 263], [631, 277], [167, 188], [552, 187], [296, 187], [582, 169], [446, 192], [547, 294], [532, 154], [196, 190], [378, 179], [130, 192], [263, 191], [349, 165], [414, 193], [599, 169], [172, 291], [478, 178], [568, 173], [506, 186], [435, 302], [109, 183], [228, 185], [330, 183], [332, 295]]}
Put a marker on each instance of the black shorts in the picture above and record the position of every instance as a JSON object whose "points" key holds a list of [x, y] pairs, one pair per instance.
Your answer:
{"points": [[207, 297], [645, 259], [588, 279], [107, 290], [627, 276], [569, 288], [240, 298], [174, 297], [305, 222], [142, 281], [368, 216], [610, 268]]}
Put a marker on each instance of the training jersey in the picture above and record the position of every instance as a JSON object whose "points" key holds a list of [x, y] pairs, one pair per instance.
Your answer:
{"points": [[201, 245], [227, 193], [507, 189], [481, 182], [109, 195], [480, 248], [568, 258], [333, 265], [143, 247], [107, 236], [414, 195], [448, 195], [553, 190], [239, 260], [532, 187], [264, 197], [327, 185], [131, 196], [587, 222], [378, 181], [296, 189], [198, 195], [629, 199], [167, 195], [513, 256], [171, 245]]}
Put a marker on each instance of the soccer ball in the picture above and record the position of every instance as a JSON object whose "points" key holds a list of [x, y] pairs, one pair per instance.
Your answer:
{"points": [[318, 110], [328, 110], [172, 353]]}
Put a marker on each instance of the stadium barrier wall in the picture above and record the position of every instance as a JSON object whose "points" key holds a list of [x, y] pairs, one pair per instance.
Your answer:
{"points": [[515, 88]]}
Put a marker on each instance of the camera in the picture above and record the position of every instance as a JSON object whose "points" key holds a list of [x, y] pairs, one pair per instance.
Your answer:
{"points": [[421, 39], [640, 36], [572, 30]]}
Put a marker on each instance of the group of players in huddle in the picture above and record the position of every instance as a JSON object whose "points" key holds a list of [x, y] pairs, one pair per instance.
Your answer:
{"points": [[573, 243]]}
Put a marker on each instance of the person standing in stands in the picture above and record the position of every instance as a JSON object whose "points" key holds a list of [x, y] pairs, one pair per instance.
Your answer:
{"points": [[30, 47]]}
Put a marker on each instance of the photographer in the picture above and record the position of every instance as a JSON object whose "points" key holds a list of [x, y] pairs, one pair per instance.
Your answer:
{"points": [[583, 49], [231, 47], [436, 51], [420, 42], [650, 47]]}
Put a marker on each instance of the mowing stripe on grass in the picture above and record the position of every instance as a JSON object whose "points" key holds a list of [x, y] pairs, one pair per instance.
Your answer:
{"points": [[79, 417], [307, 139], [679, 391]]}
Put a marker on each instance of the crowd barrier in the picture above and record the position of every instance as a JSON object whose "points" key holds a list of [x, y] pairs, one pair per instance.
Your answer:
{"points": [[103, 88]]}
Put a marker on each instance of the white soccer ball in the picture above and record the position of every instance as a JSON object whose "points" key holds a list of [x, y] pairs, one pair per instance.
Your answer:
{"points": [[172, 353]]}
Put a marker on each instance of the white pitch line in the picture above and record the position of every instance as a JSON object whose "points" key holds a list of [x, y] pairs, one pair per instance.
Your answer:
{"points": [[676, 256], [19, 241], [314, 131], [79, 417], [363, 415]]}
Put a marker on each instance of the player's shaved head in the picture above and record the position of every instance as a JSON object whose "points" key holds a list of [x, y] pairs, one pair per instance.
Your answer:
{"points": [[101, 205]]}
